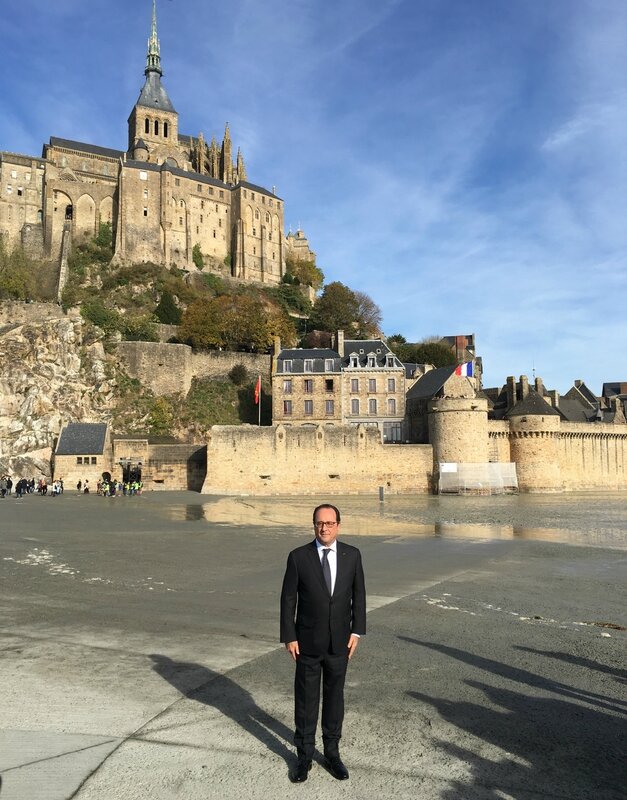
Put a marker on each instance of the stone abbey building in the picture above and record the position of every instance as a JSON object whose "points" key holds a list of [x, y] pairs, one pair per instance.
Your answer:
{"points": [[165, 194]]}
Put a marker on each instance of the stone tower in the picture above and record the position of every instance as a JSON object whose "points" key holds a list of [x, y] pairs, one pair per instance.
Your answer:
{"points": [[153, 118]]}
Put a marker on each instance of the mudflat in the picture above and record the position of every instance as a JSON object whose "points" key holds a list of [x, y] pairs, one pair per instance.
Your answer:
{"points": [[139, 652]]}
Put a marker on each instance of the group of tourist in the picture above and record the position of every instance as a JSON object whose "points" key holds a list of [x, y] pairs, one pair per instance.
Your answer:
{"points": [[26, 486], [113, 488]]}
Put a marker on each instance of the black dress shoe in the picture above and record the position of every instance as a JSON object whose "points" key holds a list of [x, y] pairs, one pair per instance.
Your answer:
{"points": [[301, 772], [336, 767]]}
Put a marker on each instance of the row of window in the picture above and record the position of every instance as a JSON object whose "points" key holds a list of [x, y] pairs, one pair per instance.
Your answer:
{"points": [[329, 407], [308, 385], [210, 189], [19, 190], [86, 460], [263, 198], [372, 360], [308, 363], [156, 127]]}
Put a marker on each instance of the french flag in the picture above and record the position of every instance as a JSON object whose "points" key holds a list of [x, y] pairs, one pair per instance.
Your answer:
{"points": [[465, 370]]}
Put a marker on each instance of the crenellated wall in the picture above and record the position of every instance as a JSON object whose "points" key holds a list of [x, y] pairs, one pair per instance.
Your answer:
{"points": [[338, 459]]}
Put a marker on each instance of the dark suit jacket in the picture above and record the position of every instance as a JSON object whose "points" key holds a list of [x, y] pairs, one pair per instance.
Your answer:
{"points": [[322, 623]]}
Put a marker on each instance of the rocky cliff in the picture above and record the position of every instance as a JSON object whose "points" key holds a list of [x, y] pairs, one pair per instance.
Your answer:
{"points": [[53, 369]]}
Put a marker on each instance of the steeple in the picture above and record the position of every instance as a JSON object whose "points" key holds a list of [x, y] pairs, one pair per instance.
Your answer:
{"points": [[153, 59]]}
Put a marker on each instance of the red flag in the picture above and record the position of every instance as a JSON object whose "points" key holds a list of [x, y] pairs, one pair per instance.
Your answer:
{"points": [[257, 390]]}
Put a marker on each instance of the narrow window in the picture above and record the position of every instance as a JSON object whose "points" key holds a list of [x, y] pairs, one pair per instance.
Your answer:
{"points": [[308, 408], [202, 203], [256, 214], [372, 360], [79, 459], [165, 129], [221, 195], [145, 194], [328, 365], [354, 406], [372, 384], [390, 361], [94, 460], [211, 192], [147, 125], [181, 221], [219, 223], [254, 231], [354, 384], [202, 218], [156, 127], [354, 362], [287, 366], [214, 234], [20, 191], [177, 181], [308, 386], [391, 384], [287, 386], [287, 408], [308, 365], [329, 407], [145, 211], [199, 187], [372, 406], [328, 384], [391, 405]]}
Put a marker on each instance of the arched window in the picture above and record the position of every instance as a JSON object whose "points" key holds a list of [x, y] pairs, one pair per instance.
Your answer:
{"points": [[165, 129], [156, 127], [147, 126], [256, 214]]}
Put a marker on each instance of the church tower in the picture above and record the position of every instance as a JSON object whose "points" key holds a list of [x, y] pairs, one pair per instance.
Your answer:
{"points": [[153, 122]]}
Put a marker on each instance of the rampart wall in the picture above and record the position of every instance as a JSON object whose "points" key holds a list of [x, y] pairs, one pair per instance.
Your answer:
{"points": [[21, 312], [322, 460], [592, 456], [170, 368]]}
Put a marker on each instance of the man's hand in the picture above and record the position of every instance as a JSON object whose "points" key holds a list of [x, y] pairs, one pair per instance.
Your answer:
{"points": [[292, 649], [352, 644]]}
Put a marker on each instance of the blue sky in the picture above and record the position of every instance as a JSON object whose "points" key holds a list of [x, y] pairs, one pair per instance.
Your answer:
{"points": [[461, 161]]}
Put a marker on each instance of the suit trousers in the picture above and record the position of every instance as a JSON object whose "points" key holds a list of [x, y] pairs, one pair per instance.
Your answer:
{"points": [[309, 669]]}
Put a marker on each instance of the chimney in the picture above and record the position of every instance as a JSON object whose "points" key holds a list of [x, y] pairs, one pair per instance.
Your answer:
{"points": [[578, 384], [539, 387], [524, 386], [511, 392], [339, 343], [554, 397]]}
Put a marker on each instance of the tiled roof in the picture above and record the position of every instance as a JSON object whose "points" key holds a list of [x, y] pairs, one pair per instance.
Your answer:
{"points": [[82, 438], [430, 383], [154, 95], [93, 149], [532, 404]]}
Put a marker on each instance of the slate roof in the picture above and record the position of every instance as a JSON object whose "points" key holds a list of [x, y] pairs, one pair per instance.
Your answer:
{"points": [[533, 404], [154, 95], [82, 438], [614, 389], [431, 383], [574, 411], [83, 147], [298, 356], [362, 348]]}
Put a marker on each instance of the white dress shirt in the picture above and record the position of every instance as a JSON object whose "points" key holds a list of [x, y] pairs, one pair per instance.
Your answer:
{"points": [[331, 558]]}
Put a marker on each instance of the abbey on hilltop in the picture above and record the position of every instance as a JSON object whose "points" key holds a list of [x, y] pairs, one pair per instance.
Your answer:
{"points": [[168, 196]]}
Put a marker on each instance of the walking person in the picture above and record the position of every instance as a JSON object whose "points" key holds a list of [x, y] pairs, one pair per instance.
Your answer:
{"points": [[323, 614]]}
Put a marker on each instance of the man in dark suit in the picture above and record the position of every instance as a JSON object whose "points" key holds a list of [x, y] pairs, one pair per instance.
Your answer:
{"points": [[323, 614]]}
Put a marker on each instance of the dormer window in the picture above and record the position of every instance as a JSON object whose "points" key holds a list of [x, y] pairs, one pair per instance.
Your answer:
{"points": [[372, 360], [328, 365], [287, 366], [308, 365], [354, 361], [389, 361]]}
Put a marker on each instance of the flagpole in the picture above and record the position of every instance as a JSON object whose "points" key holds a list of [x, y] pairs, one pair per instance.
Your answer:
{"points": [[259, 419]]}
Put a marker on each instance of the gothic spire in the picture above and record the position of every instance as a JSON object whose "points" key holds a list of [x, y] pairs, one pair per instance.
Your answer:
{"points": [[153, 58]]}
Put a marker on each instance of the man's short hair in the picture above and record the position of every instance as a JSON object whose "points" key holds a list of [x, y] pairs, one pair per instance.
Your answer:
{"points": [[327, 505]]}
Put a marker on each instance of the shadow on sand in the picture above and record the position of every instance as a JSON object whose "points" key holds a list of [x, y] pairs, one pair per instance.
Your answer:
{"points": [[213, 689], [567, 747]]}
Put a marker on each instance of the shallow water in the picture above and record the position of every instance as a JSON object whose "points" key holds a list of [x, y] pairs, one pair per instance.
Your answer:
{"points": [[595, 519]]}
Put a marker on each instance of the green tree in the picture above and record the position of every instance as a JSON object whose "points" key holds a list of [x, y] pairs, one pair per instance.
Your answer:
{"points": [[337, 308], [197, 256], [305, 271], [340, 308], [426, 352], [95, 311], [138, 328], [167, 311], [16, 273]]}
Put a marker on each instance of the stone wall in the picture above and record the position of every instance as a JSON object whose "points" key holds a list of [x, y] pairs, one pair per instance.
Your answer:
{"points": [[12, 312], [323, 460], [592, 456], [169, 368]]}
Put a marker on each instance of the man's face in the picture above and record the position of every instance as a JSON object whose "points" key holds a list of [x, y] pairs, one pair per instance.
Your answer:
{"points": [[326, 527]]}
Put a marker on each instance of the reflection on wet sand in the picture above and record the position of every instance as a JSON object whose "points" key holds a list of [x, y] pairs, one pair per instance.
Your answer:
{"points": [[409, 517]]}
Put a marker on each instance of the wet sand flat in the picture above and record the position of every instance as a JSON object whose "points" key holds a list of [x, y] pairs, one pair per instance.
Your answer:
{"points": [[140, 657]]}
